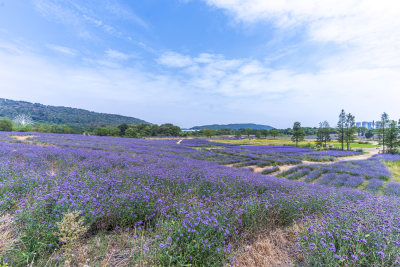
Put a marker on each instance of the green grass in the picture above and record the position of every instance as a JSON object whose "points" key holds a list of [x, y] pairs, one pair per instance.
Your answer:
{"points": [[286, 142], [394, 167]]}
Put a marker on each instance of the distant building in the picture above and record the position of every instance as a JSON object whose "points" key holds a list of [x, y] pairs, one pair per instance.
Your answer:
{"points": [[368, 124]]}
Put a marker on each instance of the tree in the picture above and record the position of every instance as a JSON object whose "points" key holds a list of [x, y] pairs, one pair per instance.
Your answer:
{"points": [[122, 128], [341, 128], [369, 134], [323, 133], [350, 130], [6, 125], [258, 134], [248, 131], [362, 131], [265, 132], [298, 133], [132, 132], [154, 130], [208, 132], [274, 133], [392, 134], [383, 124], [238, 134]]}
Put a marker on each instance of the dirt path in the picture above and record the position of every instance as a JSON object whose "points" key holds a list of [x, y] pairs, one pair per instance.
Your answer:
{"points": [[370, 152], [23, 138]]}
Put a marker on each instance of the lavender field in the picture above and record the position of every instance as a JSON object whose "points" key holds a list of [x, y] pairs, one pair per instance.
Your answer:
{"points": [[156, 202]]}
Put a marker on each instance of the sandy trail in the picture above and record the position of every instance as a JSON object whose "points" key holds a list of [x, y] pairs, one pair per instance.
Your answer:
{"points": [[23, 138], [370, 152]]}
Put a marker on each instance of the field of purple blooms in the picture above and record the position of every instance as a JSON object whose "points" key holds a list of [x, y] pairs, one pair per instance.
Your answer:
{"points": [[190, 209], [271, 155], [371, 174]]}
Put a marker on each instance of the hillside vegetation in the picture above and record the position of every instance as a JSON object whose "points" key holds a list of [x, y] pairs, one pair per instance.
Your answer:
{"points": [[73, 117], [236, 126]]}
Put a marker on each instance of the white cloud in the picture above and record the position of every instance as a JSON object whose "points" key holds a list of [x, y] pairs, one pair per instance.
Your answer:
{"points": [[366, 28], [252, 87], [117, 55], [63, 49], [173, 59], [131, 91]]}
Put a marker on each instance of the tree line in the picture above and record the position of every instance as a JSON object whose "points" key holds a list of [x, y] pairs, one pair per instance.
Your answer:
{"points": [[388, 132]]}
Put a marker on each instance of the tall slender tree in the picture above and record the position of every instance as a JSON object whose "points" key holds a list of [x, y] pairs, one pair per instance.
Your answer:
{"points": [[392, 134], [341, 128], [350, 130], [298, 133], [323, 133], [383, 125], [265, 132], [274, 133]]}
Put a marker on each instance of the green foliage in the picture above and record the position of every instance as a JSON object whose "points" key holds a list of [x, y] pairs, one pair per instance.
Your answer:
{"points": [[369, 134], [341, 128], [238, 134], [298, 133], [323, 133], [77, 119], [233, 126], [6, 125], [383, 124], [274, 133], [122, 128], [139, 130], [350, 130], [208, 132], [392, 133], [265, 133], [132, 132]]}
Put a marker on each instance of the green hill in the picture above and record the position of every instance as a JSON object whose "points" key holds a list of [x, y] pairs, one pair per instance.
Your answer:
{"points": [[235, 126], [74, 117]]}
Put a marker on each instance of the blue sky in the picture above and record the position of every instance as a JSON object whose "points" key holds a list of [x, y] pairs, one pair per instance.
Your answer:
{"points": [[194, 62]]}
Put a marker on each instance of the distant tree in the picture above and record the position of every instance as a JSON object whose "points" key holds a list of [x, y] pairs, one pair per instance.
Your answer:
{"points": [[383, 124], [176, 130], [258, 134], [265, 133], [369, 134], [298, 133], [274, 133], [122, 128], [154, 130], [362, 131], [392, 134], [341, 128], [132, 132], [209, 132], [323, 133], [6, 125], [350, 130], [238, 134], [106, 131], [248, 131]]}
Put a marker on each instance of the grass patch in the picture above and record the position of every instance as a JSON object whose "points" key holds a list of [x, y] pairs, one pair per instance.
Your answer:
{"points": [[394, 167], [285, 142]]}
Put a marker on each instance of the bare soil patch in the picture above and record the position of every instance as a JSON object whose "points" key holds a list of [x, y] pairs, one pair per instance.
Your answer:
{"points": [[23, 138], [276, 247], [370, 152], [7, 237]]}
